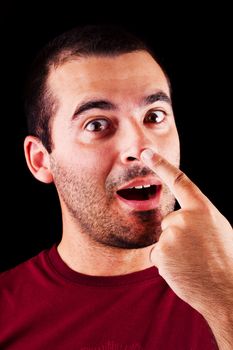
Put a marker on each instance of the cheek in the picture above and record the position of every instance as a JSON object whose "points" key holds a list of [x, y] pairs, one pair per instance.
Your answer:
{"points": [[94, 163], [170, 148]]}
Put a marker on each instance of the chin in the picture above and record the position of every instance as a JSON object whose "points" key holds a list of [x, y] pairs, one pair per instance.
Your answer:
{"points": [[145, 241]]}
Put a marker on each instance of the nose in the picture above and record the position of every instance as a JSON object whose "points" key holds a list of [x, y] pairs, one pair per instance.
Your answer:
{"points": [[134, 140]]}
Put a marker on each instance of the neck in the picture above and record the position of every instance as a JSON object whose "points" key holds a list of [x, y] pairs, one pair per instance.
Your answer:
{"points": [[85, 256]]}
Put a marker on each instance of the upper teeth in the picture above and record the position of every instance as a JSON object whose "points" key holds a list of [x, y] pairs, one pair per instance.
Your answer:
{"points": [[139, 187]]}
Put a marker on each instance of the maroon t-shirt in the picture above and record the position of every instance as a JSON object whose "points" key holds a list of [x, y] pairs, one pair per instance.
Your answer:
{"points": [[46, 305]]}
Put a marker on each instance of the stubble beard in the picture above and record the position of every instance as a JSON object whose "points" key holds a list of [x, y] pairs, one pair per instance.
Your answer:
{"points": [[97, 216]]}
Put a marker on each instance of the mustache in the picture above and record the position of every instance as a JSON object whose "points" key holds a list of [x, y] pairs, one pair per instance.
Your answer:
{"points": [[128, 175]]}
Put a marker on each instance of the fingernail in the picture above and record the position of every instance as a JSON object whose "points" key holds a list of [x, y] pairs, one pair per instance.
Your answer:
{"points": [[147, 154], [153, 248]]}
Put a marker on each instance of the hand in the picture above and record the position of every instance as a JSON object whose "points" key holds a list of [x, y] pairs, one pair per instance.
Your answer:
{"points": [[194, 253]]}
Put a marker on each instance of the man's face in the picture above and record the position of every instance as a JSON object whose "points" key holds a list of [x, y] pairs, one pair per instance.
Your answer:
{"points": [[110, 109]]}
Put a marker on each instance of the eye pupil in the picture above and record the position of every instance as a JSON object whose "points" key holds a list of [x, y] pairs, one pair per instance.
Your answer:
{"points": [[156, 116], [96, 125], [153, 117]]}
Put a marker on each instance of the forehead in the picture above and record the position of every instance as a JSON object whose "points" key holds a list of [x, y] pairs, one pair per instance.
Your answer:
{"points": [[130, 76]]}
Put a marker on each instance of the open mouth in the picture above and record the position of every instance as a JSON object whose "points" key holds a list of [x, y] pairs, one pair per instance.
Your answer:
{"points": [[139, 193]]}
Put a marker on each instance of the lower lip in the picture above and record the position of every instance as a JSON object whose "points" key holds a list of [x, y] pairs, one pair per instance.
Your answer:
{"points": [[148, 204]]}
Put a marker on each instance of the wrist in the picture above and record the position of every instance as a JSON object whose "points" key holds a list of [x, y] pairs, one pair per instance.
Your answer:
{"points": [[220, 320]]}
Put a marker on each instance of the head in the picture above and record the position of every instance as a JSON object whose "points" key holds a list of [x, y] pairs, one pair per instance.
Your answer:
{"points": [[95, 99]]}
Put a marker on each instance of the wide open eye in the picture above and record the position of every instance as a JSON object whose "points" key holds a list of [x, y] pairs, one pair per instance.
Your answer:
{"points": [[97, 125], [156, 116]]}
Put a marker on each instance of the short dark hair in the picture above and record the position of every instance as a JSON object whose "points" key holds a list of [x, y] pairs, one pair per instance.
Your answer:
{"points": [[90, 40]]}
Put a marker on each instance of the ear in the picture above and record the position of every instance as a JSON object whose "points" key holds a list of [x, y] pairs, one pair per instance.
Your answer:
{"points": [[37, 159]]}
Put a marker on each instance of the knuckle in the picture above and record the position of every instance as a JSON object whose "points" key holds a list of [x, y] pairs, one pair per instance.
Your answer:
{"points": [[181, 179], [169, 236], [182, 219], [169, 220], [165, 223]]}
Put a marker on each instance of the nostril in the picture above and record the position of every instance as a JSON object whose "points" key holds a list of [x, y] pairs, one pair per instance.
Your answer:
{"points": [[131, 158]]}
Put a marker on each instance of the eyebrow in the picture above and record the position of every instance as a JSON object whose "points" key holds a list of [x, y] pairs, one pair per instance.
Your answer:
{"points": [[109, 106], [158, 96], [92, 104]]}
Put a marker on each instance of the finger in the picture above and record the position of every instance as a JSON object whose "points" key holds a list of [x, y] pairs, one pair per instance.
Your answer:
{"points": [[186, 192]]}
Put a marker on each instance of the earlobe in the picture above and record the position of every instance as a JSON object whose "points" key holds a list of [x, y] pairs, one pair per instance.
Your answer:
{"points": [[37, 159]]}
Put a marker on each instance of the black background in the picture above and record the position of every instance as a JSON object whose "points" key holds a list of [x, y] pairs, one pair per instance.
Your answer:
{"points": [[194, 45]]}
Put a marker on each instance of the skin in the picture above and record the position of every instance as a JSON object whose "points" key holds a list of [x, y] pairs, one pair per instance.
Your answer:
{"points": [[102, 236], [195, 251], [87, 168]]}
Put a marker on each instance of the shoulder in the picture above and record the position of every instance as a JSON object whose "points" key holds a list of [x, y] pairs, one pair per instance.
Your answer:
{"points": [[23, 273]]}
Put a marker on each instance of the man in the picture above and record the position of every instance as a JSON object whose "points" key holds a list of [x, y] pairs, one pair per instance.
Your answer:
{"points": [[129, 272]]}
